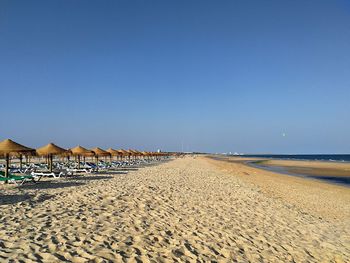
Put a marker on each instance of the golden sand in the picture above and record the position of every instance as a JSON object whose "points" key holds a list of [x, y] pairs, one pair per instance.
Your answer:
{"points": [[317, 197], [186, 210]]}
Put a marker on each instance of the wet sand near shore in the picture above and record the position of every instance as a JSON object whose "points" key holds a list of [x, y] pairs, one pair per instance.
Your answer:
{"points": [[311, 167], [331, 172], [186, 210], [316, 171]]}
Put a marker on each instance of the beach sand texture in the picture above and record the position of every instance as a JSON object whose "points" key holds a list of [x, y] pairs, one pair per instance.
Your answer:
{"points": [[185, 210]]}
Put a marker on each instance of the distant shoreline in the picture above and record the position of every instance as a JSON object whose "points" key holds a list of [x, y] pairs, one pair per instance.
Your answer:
{"points": [[332, 172], [340, 158], [335, 175]]}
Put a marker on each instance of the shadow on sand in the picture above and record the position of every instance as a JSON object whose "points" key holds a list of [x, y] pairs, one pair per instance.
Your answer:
{"points": [[111, 172], [13, 199], [127, 169], [50, 185], [89, 178], [17, 198]]}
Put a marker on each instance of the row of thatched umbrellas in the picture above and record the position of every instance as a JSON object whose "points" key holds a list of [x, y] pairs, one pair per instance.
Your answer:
{"points": [[9, 147]]}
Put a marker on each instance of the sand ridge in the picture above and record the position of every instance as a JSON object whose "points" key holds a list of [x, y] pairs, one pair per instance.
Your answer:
{"points": [[185, 210]]}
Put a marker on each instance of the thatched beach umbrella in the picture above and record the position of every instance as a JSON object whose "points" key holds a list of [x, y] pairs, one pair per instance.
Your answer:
{"points": [[8, 147], [50, 150], [113, 152], [131, 153], [135, 153], [124, 153], [120, 154], [67, 154], [146, 154], [99, 152], [154, 155], [139, 153], [81, 151], [28, 156]]}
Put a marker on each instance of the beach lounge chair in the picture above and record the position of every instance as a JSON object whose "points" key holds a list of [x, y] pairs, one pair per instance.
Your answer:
{"points": [[39, 175], [78, 171], [90, 166], [19, 180]]}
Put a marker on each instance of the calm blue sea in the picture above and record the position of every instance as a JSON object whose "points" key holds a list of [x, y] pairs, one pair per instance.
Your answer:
{"points": [[318, 157]]}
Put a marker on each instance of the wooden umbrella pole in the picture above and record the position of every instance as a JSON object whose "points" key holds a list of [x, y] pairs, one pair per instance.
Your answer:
{"points": [[51, 163], [97, 162], [20, 162], [78, 161], [7, 157]]}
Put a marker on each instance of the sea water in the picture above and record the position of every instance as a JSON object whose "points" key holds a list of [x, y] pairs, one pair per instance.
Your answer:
{"points": [[310, 157]]}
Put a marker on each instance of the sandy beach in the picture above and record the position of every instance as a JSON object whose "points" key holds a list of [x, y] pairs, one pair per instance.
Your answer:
{"points": [[185, 210]]}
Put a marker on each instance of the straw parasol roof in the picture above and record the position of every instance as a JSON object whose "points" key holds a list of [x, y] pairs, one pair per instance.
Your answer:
{"points": [[81, 151], [137, 152], [130, 152], [67, 153], [8, 146], [100, 152], [113, 152], [19, 154], [124, 152], [50, 149]]}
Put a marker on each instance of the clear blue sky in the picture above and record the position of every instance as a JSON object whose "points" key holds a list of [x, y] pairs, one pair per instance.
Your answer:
{"points": [[216, 76]]}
